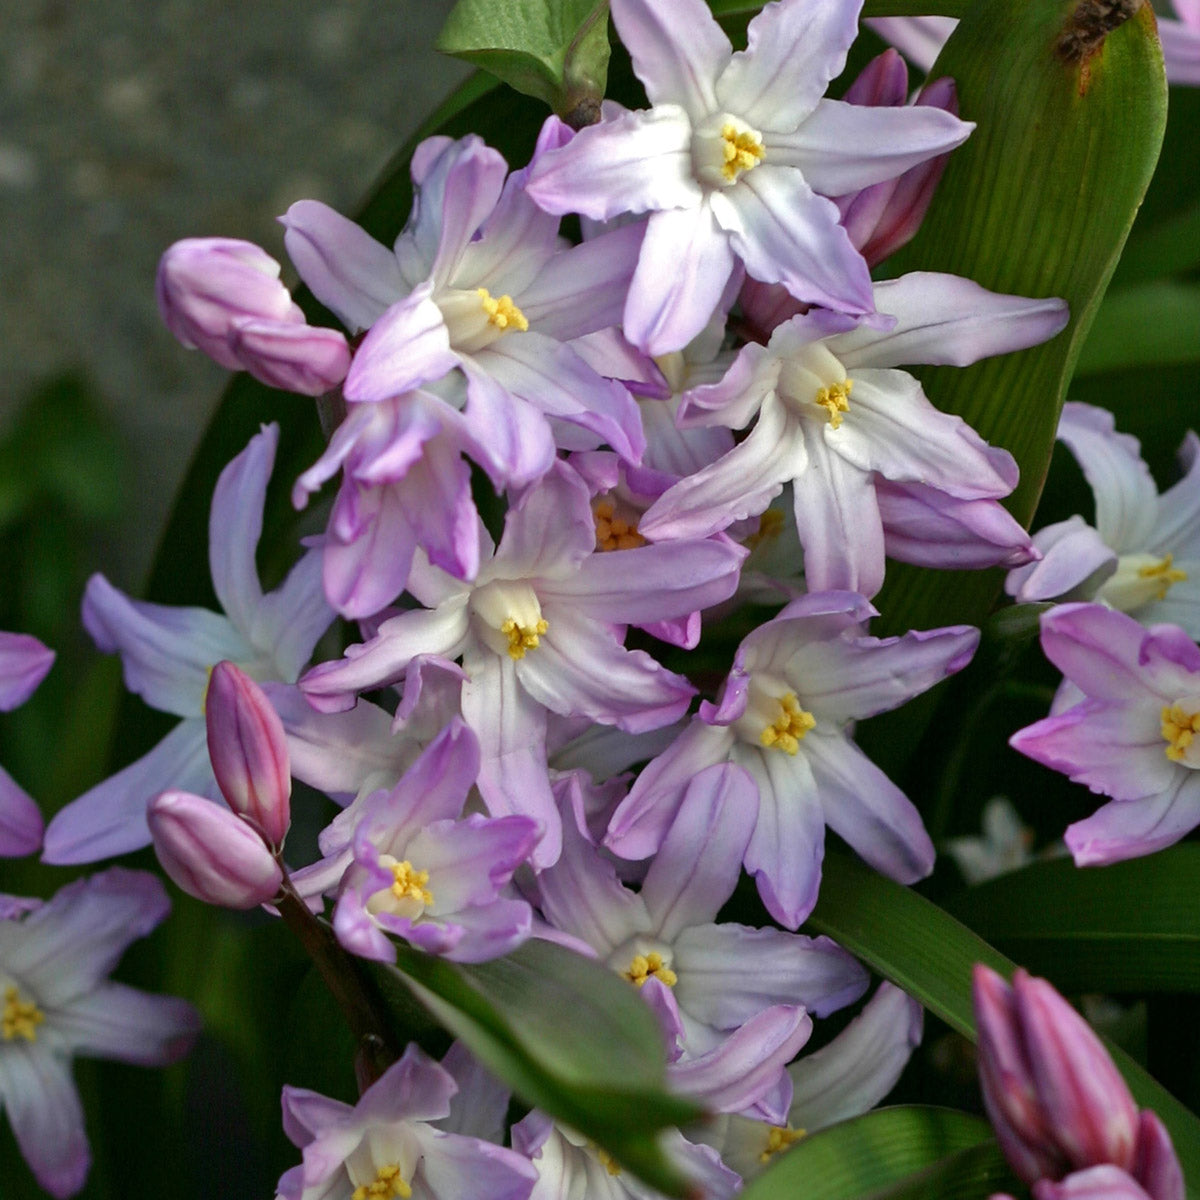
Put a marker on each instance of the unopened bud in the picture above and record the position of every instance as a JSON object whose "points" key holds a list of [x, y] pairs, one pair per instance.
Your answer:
{"points": [[1096, 1183], [308, 359], [206, 285], [1156, 1166], [211, 853], [248, 749]]}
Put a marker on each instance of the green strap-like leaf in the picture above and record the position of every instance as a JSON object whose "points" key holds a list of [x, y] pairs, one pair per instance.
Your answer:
{"points": [[566, 1033], [556, 50], [923, 949], [1131, 927], [1146, 325], [874, 1153]]}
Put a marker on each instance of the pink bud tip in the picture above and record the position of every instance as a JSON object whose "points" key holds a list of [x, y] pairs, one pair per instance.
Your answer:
{"points": [[211, 853], [248, 749]]}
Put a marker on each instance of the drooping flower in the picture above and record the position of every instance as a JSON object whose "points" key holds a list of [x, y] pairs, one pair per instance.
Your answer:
{"points": [[730, 159], [1143, 554], [56, 1002], [167, 654], [1131, 736], [24, 662], [798, 682]]}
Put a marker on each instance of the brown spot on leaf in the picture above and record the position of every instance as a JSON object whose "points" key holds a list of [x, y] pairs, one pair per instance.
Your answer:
{"points": [[1090, 22]]}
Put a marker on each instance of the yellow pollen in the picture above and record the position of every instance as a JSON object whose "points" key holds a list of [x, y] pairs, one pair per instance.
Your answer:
{"points": [[502, 312], [20, 1018], [386, 1185], [1178, 730], [605, 1159], [779, 1137], [770, 526], [1164, 573], [836, 400], [645, 965], [789, 727], [742, 149], [408, 884], [522, 637], [613, 532]]}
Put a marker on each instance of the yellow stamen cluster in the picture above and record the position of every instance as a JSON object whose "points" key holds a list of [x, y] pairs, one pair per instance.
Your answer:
{"points": [[20, 1018], [502, 312], [613, 532], [836, 400], [770, 526], [1164, 574], [743, 150], [386, 1185], [1178, 730], [409, 884], [645, 965], [779, 1137], [785, 732], [522, 637]]}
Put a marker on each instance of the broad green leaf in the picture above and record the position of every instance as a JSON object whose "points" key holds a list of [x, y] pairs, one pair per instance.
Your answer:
{"points": [[1037, 202], [1147, 325], [556, 50], [871, 1154], [976, 1173], [566, 1033], [1168, 248], [923, 949], [1131, 927]]}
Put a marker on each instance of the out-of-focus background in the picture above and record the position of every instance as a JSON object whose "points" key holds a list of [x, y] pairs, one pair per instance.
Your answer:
{"points": [[124, 127]]}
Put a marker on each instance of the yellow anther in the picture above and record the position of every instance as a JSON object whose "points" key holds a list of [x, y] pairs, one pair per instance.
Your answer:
{"points": [[785, 732], [835, 400], [742, 149], [1164, 574], [409, 884], [613, 532], [386, 1185], [502, 312], [522, 638], [779, 1137], [20, 1018], [1179, 728], [770, 526], [605, 1159], [644, 966]]}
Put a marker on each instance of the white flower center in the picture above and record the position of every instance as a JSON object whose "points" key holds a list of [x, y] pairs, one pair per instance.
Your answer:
{"points": [[643, 958], [773, 718], [813, 383], [475, 318], [407, 897], [723, 149], [1138, 580], [510, 617], [20, 1016]]}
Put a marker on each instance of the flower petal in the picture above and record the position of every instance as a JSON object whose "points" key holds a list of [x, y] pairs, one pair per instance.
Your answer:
{"points": [[24, 662], [126, 1024]]}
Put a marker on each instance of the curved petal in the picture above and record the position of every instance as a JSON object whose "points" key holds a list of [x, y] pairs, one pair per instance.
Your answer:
{"points": [[24, 662], [510, 439], [110, 818], [1074, 556], [919, 39], [120, 1022], [292, 618], [843, 147], [793, 51], [1181, 46], [685, 262], [20, 820]]}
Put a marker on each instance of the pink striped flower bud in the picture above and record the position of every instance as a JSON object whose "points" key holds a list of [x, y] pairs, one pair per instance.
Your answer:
{"points": [[308, 359], [1096, 1183], [211, 853], [248, 749], [206, 285], [1055, 1097], [1156, 1166]]}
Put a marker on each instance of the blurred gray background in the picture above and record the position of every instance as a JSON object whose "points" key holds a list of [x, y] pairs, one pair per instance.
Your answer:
{"points": [[125, 126]]}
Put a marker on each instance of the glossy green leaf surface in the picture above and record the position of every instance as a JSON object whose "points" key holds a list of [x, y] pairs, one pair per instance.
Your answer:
{"points": [[926, 951], [1131, 927], [556, 50], [566, 1033], [872, 1154]]}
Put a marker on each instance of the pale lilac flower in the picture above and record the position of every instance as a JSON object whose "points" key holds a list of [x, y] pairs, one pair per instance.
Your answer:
{"points": [[570, 1165], [413, 869], [1054, 1096], [846, 1077], [24, 662], [730, 158], [388, 1145], [797, 685], [224, 297], [211, 853], [727, 994], [57, 1003], [1131, 736], [537, 631], [479, 281], [1143, 554], [1005, 845], [167, 654], [832, 416]]}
